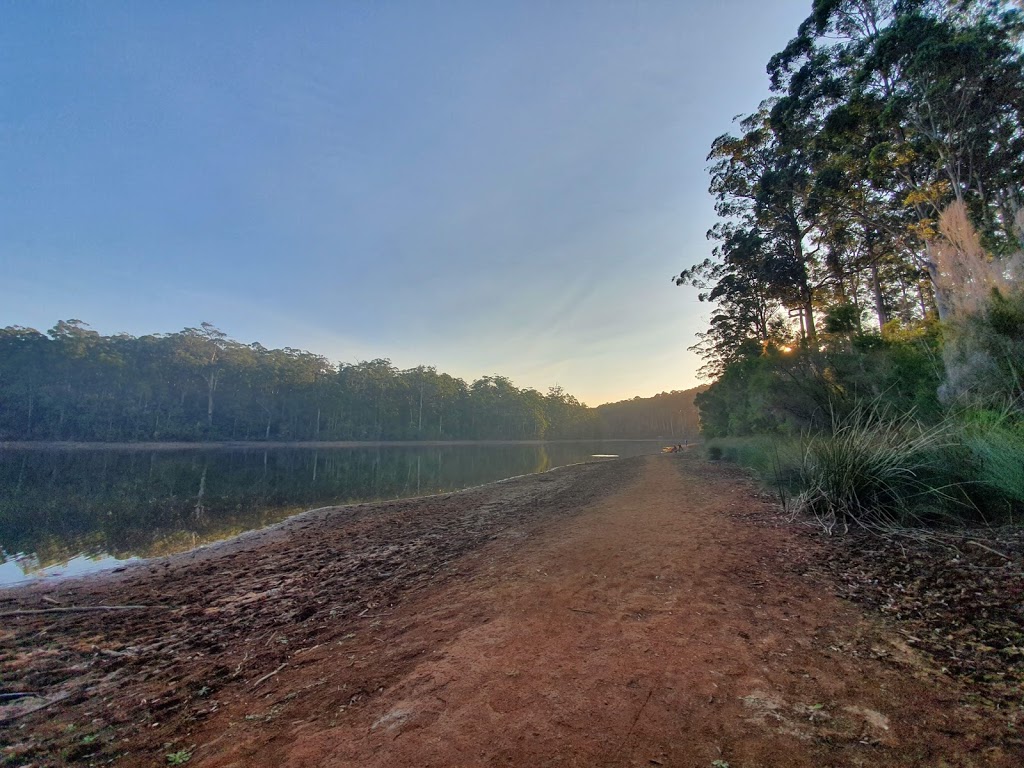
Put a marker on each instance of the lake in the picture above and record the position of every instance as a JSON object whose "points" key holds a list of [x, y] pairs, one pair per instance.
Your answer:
{"points": [[67, 512]]}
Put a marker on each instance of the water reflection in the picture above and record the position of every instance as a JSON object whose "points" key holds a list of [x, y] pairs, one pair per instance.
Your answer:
{"points": [[71, 512]]}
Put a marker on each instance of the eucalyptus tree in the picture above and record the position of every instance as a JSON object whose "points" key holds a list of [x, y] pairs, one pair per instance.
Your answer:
{"points": [[367, 398], [765, 260], [24, 359], [932, 96], [748, 315], [567, 417], [201, 351], [433, 403]]}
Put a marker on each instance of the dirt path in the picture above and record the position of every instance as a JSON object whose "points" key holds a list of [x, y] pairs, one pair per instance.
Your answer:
{"points": [[622, 614], [652, 630]]}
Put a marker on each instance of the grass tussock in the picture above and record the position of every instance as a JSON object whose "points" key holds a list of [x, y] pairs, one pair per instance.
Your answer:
{"points": [[878, 470], [875, 470], [993, 446]]}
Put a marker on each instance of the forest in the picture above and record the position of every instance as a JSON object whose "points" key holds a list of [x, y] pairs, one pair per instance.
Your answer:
{"points": [[866, 344], [74, 384]]}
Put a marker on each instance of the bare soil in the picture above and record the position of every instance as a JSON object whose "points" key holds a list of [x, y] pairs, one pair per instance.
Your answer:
{"points": [[650, 611]]}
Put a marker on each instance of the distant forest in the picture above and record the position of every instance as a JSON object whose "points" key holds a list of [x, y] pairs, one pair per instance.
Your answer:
{"points": [[75, 384]]}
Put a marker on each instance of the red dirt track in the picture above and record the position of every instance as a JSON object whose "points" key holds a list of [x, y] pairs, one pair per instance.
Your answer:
{"points": [[632, 613]]}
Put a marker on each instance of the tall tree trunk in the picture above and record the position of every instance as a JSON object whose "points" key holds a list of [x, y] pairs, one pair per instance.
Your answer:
{"points": [[941, 300], [211, 386], [419, 424], [876, 289], [808, 318]]}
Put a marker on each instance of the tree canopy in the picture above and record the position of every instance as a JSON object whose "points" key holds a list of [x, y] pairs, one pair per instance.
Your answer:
{"points": [[883, 113], [71, 383]]}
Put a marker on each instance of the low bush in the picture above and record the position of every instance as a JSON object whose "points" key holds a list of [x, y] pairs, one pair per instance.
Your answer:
{"points": [[875, 470], [775, 461], [993, 446]]}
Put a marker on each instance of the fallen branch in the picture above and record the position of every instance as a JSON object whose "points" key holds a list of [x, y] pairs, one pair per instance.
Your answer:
{"points": [[269, 675], [36, 708], [989, 549], [78, 609]]}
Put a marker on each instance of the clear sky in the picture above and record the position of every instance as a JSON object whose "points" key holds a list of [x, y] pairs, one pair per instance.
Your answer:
{"points": [[484, 186]]}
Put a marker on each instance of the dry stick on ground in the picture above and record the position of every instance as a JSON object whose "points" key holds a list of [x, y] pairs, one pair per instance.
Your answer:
{"points": [[269, 675], [989, 549], [36, 708], [79, 609]]}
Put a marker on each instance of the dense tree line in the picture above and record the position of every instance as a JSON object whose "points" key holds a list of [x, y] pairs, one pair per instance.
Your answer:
{"points": [[867, 265], [73, 383], [670, 415], [884, 113], [831, 239]]}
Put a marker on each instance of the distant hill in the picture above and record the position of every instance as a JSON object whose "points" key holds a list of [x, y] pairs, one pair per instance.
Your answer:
{"points": [[670, 415]]}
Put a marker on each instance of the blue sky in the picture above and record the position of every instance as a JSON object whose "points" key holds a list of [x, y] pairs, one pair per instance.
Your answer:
{"points": [[486, 187]]}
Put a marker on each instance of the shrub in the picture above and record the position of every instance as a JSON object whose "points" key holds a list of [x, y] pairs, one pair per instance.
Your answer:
{"points": [[774, 460], [873, 470], [994, 443]]}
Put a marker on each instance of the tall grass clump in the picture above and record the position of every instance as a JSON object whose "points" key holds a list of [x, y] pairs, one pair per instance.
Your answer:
{"points": [[874, 470], [994, 443]]}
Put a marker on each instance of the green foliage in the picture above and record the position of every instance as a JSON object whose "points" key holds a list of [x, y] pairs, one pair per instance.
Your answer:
{"points": [[198, 384], [879, 188], [884, 113], [985, 354], [842, 319], [994, 446], [874, 470], [180, 757], [786, 391], [776, 461], [737, 403]]}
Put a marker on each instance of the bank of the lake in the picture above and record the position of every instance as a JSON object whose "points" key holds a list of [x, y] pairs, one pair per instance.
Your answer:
{"points": [[207, 619], [647, 610], [70, 509]]}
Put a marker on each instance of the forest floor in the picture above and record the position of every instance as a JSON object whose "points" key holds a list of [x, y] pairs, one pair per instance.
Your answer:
{"points": [[653, 611]]}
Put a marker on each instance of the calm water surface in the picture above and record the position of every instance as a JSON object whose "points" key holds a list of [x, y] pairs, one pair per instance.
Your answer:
{"points": [[69, 512]]}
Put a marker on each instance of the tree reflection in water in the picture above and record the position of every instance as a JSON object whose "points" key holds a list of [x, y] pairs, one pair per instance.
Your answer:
{"points": [[89, 509]]}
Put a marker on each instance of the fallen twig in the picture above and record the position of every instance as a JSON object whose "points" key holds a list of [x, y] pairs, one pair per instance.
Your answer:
{"points": [[632, 725], [78, 609], [269, 675], [36, 708], [989, 549]]}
